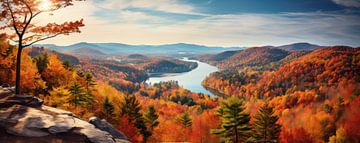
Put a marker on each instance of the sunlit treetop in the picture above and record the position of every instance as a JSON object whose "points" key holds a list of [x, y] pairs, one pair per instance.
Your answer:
{"points": [[17, 18]]}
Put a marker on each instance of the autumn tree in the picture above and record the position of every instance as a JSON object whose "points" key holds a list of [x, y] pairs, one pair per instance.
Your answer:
{"points": [[328, 129], [131, 107], [6, 60], [185, 120], [89, 83], [151, 117], [265, 128], [78, 96], [18, 19], [108, 108], [234, 121], [41, 62], [340, 136]]}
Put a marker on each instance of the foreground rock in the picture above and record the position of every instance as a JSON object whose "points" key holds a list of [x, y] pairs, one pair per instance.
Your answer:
{"points": [[105, 126], [23, 119]]}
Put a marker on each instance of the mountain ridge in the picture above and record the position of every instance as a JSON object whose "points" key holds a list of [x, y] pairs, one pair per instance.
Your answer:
{"points": [[120, 48]]}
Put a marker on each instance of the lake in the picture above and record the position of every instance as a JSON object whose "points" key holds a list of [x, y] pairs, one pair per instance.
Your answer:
{"points": [[189, 80]]}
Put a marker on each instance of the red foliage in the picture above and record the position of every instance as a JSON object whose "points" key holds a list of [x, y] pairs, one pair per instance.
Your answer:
{"points": [[298, 135], [129, 129]]}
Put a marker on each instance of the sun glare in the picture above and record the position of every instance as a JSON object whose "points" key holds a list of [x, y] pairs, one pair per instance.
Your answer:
{"points": [[44, 5]]}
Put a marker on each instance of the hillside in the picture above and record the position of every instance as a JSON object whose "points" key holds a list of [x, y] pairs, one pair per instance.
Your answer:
{"points": [[36, 51], [324, 67], [314, 93], [169, 66], [137, 56], [255, 56], [87, 52]]}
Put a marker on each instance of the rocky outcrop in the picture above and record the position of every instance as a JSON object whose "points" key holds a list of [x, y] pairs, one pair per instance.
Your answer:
{"points": [[105, 126], [24, 119]]}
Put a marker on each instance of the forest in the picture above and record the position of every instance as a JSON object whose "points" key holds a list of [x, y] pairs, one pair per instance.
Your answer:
{"points": [[297, 93], [307, 97]]}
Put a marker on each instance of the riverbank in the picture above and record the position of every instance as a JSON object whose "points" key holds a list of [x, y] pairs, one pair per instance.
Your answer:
{"points": [[189, 80]]}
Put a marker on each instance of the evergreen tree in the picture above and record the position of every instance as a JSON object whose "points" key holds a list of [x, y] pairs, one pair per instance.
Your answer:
{"points": [[67, 65], [90, 83], [41, 62], [78, 96], [151, 117], [131, 107], [265, 128], [185, 120], [108, 108], [234, 126]]}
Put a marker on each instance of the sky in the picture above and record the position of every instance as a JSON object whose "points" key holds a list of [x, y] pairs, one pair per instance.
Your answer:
{"points": [[228, 23]]}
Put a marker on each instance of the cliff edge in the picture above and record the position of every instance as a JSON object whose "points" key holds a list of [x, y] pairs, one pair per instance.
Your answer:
{"points": [[23, 119]]}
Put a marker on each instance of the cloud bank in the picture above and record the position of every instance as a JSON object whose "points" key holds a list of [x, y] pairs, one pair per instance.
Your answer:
{"points": [[148, 22], [348, 3]]}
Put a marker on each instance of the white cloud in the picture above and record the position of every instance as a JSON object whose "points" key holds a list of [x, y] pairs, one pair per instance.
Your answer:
{"points": [[134, 16], [216, 30], [348, 3], [169, 6]]}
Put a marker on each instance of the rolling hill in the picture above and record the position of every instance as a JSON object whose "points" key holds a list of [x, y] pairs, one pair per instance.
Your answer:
{"points": [[87, 52], [118, 48], [299, 47], [249, 57]]}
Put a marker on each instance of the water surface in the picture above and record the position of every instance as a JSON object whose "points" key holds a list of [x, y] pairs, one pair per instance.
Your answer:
{"points": [[189, 80]]}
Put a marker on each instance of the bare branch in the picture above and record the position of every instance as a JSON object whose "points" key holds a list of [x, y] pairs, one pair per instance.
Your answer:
{"points": [[30, 18], [13, 18], [42, 39]]}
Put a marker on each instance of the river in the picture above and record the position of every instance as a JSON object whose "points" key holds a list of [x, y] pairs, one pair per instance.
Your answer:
{"points": [[189, 80]]}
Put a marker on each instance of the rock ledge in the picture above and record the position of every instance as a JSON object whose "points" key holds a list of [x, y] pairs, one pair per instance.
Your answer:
{"points": [[24, 119]]}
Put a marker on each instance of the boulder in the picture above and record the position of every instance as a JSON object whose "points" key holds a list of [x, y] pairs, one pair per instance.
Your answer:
{"points": [[25, 100], [5, 91], [105, 126]]}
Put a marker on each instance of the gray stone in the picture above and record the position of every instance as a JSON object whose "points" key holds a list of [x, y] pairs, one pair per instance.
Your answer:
{"points": [[105, 126], [44, 121], [26, 100], [29, 120]]}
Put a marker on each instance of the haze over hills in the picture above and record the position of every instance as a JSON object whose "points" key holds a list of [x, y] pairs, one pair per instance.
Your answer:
{"points": [[84, 51], [93, 49], [299, 46], [118, 48], [248, 57]]}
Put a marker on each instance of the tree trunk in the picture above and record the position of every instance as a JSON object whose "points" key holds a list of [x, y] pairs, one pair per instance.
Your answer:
{"points": [[236, 135], [18, 65]]}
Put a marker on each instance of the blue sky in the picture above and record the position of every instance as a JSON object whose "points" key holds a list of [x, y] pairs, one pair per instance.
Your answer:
{"points": [[216, 22]]}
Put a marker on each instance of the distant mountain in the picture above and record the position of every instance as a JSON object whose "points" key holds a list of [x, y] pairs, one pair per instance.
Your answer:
{"points": [[118, 48], [36, 51], [137, 56], [84, 51], [249, 57], [299, 46], [223, 55]]}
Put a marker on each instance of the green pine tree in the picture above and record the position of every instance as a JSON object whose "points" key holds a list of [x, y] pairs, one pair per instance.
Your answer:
{"points": [[108, 108], [41, 62], [131, 107], [90, 83], [185, 120], [265, 128], [151, 117], [78, 96], [234, 126]]}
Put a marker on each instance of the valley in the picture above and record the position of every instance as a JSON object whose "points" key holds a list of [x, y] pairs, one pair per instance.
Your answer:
{"points": [[296, 83], [167, 71]]}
